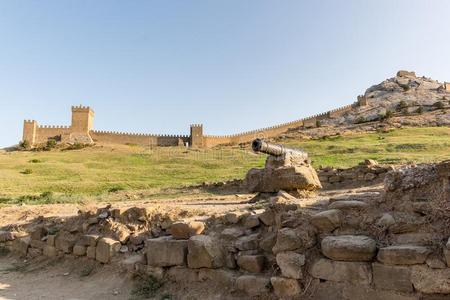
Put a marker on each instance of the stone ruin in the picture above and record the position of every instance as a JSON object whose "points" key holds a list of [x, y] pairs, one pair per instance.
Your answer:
{"points": [[375, 244]]}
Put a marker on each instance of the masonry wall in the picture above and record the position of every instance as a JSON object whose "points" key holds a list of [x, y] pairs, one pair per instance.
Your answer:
{"points": [[44, 133], [138, 139]]}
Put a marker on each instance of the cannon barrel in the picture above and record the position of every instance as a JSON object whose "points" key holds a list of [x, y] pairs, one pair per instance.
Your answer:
{"points": [[259, 145]]}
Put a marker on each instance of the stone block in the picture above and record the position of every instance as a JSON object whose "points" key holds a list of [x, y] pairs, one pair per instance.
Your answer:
{"points": [[50, 251], [89, 240], [251, 221], [294, 239], [90, 251], [395, 278], [349, 247], [79, 250], [106, 249], [166, 252], [38, 233], [65, 241], [253, 285], [348, 205], [430, 281], [251, 263], [327, 221], [339, 271], [204, 252], [232, 233], [249, 242], [403, 255], [51, 240], [184, 230], [267, 217], [21, 245], [291, 264], [285, 287]]}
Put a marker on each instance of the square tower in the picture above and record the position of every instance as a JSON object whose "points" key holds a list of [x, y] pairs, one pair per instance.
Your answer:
{"points": [[82, 119], [29, 131], [196, 136]]}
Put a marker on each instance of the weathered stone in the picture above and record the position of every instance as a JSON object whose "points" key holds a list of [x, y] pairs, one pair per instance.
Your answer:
{"points": [[403, 255], [270, 180], [268, 241], [291, 264], [65, 241], [251, 221], [51, 240], [326, 290], [368, 293], [232, 233], [89, 240], [6, 236], [37, 244], [251, 263], [50, 251], [328, 220], [385, 220], [235, 217], [285, 287], [429, 281], [339, 271], [166, 252], [248, 242], [90, 251], [267, 217], [79, 250], [348, 204], [292, 239], [349, 247], [413, 238], [204, 252], [184, 230], [106, 249], [38, 233], [395, 278], [253, 285], [436, 262], [122, 234], [21, 245], [403, 73]]}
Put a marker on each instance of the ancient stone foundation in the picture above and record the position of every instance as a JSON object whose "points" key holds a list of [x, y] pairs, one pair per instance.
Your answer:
{"points": [[365, 245]]}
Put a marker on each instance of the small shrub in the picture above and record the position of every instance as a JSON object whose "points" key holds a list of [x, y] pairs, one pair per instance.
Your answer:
{"points": [[115, 189], [439, 105], [146, 287], [34, 161], [402, 105], [24, 145], [406, 88], [51, 144], [77, 146], [318, 123], [27, 172], [419, 110]]}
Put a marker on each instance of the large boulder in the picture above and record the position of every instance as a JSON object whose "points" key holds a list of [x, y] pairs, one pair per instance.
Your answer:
{"points": [[204, 252], [251, 263], [269, 180], [166, 252], [349, 247], [294, 239]]}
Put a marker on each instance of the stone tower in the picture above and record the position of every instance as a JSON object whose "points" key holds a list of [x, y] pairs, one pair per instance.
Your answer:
{"points": [[82, 124], [29, 131], [196, 136]]}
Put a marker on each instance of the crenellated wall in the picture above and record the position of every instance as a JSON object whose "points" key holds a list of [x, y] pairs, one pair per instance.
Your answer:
{"points": [[81, 130]]}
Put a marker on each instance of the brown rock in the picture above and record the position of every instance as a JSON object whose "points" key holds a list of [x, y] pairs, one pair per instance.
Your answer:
{"points": [[430, 281], [21, 245], [65, 241], [106, 249], [79, 250], [291, 264], [166, 252], [251, 263], [292, 239], [349, 247], [253, 285], [249, 242], [184, 230], [267, 217], [204, 252], [339, 271], [285, 287], [328, 220], [251, 221], [50, 251], [90, 251], [403, 255], [394, 278]]}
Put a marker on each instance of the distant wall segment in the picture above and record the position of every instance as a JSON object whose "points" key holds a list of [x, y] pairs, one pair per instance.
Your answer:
{"points": [[82, 130]]}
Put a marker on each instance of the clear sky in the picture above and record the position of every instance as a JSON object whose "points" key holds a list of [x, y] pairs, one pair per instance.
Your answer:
{"points": [[233, 65]]}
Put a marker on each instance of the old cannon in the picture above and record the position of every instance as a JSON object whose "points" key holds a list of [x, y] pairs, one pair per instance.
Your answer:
{"points": [[285, 169]]}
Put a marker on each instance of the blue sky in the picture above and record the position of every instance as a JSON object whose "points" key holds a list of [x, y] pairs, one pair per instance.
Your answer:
{"points": [[234, 65]]}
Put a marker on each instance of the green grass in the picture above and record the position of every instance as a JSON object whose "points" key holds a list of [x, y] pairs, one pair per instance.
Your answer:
{"points": [[66, 176]]}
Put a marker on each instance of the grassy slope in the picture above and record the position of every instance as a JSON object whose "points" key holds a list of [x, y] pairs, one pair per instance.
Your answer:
{"points": [[96, 170]]}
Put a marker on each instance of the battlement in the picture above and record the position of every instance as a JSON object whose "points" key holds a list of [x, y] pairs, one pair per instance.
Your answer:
{"points": [[82, 108], [30, 121]]}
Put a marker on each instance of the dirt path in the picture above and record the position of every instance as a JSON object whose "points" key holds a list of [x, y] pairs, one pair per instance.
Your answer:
{"points": [[60, 280]]}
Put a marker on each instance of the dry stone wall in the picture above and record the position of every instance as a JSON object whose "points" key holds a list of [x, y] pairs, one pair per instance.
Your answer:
{"points": [[363, 245]]}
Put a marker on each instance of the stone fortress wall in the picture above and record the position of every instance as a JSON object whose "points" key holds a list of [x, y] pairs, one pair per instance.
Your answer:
{"points": [[82, 130]]}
